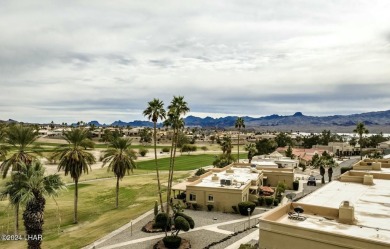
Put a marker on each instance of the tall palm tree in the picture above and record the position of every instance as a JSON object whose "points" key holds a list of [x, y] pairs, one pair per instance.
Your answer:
{"points": [[176, 109], [251, 148], [74, 159], [239, 124], [360, 130], [19, 138], [154, 112], [121, 160], [29, 186]]}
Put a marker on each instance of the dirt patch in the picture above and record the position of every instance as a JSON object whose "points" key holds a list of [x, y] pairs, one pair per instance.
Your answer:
{"points": [[148, 228]]}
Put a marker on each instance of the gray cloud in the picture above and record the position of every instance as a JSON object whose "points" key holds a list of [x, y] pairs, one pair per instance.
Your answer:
{"points": [[71, 60]]}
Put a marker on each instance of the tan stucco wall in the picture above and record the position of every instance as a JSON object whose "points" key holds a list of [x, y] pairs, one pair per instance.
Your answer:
{"points": [[224, 198], [274, 177]]}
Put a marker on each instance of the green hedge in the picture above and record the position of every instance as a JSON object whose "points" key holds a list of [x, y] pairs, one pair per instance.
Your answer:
{"points": [[243, 207], [344, 169]]}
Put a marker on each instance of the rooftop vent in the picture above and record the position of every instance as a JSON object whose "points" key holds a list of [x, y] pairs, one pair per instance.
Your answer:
{"points": [[215, 178]]}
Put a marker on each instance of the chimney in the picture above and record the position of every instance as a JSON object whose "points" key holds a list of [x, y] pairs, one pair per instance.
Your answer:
{"points": [[368, 180], [346, 213]]}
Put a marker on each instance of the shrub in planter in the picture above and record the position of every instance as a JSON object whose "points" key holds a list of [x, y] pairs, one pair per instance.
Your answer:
{"points": [[210, 207], [143, 151], [243, 207], [276, 202], [165, 149], [172, 242], [200, 171], [295, 185], [269, 201], [261, 201]]}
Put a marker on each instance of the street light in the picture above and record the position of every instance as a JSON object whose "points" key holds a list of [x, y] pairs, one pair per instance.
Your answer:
{"points": [[249, 217]]}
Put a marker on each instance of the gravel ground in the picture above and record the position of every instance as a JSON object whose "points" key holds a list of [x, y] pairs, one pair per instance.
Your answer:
{"points": [[228, 242], [199, 238]]}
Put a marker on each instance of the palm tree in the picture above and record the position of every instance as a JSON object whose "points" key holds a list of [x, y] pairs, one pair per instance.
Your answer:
{"points": [[74, 159], [154, 112], [28, 186], [226, 145], [177, 108], [121, 160], [251, 148], [19, 137], [239, 124], [360, 130]]}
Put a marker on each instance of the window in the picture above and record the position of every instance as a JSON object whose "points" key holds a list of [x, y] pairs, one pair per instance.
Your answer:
{"points": [[210, 198], [192, 197]]}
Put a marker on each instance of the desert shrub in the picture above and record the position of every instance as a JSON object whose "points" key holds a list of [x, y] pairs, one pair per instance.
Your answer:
{"points": [[303, 166], [200, 171], [143, 151], [276, 202], [188, 219], [269, 201], [165, 149], [161, 220], [243, 207], [344, 169], [172, 242], [261, 201]]}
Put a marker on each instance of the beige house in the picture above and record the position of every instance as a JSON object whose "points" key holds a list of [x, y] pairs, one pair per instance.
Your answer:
{"points": [[226, 187], [351, 213]]}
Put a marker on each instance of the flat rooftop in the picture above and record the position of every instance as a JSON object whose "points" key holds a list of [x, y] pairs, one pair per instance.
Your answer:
{"points": [[239, 179], [371, 203]]}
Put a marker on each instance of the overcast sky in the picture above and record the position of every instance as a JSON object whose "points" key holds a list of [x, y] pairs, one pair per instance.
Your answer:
{"points": [[104, 60]]}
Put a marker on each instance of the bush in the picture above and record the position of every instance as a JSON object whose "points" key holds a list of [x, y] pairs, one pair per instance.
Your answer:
{"points": [[269, 201], [166, 149], [261, 201], [235, 209], [243, 207], [200, 171], [276, 202], [155, 209], [161, 220], [195, 206], [188, 218], [181, 224], [143, 151], [172, 242], [210, 207], [303, 166], [344, 169]]}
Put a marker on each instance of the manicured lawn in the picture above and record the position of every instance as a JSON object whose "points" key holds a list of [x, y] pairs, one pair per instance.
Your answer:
{"points": [[97, 213], [184, 162]]}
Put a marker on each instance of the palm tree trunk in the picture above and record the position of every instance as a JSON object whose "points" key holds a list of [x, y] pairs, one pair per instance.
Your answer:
{"points": [[33, 221], [170, 180], [361, 147], [117, 191], [157, 171], [169, 172], [238, 146], [17, 218], [76, 195]]}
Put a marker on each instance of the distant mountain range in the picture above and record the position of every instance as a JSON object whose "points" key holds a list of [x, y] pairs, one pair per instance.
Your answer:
{"points": [[275, 122], [381, 118]]}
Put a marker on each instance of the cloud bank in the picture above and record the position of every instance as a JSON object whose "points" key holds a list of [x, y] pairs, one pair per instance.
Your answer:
{"points": [[104, 60]]}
